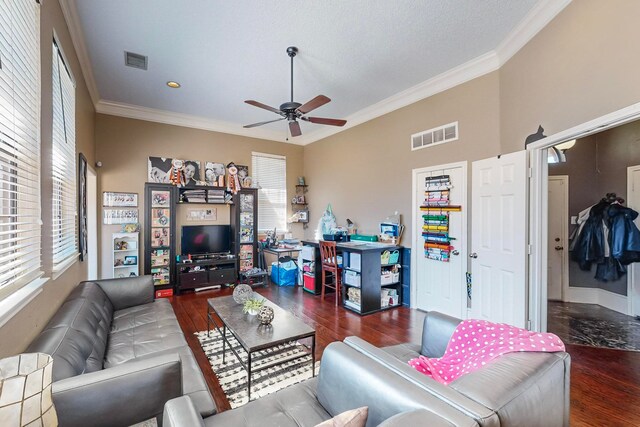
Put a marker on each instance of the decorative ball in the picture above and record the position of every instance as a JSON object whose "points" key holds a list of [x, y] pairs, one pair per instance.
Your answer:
{"points": [[265, 315], [242, 293]]}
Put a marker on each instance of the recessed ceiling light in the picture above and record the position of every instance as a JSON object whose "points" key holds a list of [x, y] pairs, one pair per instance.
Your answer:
{"points": [[174, 85]]}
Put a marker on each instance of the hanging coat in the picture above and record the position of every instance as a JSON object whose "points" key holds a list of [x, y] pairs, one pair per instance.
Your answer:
{"points": [[624, 236], [591, 245]]}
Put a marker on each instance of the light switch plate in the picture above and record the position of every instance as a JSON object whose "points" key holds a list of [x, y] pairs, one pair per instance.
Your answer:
{"points": [[574, 220]]}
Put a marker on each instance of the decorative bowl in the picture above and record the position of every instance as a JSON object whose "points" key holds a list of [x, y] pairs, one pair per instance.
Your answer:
{"points": [[241, 293]]}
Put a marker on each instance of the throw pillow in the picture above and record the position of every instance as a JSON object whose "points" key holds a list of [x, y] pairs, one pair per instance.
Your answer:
{"points": [[351, 418]]}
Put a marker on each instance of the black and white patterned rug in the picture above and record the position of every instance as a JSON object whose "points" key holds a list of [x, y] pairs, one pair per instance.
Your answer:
{"points": [[233, 378]]}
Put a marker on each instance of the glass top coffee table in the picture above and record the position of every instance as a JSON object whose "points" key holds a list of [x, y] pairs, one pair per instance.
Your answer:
{"points": [[225, 314]]}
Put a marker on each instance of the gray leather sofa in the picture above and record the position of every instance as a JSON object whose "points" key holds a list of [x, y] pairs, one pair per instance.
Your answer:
{"points": [[516, 389], [119, 355], [348, 379]]}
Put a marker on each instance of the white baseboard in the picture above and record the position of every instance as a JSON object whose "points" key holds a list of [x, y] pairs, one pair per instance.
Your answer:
{"points": [[599, 296]]}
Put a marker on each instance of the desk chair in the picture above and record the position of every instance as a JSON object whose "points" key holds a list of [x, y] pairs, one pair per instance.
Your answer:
{"points": [[330, 269]]}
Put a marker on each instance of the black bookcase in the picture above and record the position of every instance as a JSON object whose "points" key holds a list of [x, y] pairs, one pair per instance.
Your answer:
{"points": [[244, 228], [160, 234]]}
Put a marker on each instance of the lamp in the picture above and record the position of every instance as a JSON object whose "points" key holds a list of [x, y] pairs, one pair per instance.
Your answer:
{"points": [[556, 154], [25, 391]]}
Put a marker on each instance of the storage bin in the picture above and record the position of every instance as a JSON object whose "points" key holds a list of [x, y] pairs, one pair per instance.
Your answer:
{"points": [[394, 257], [308, 253], [352, 278], [384, 257], [286, 274], [386, 279], [309, 283], [364, 237]]}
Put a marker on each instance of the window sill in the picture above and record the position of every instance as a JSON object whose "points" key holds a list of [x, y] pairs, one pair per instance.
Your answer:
{"points": [[64, 266], [11, 305]]}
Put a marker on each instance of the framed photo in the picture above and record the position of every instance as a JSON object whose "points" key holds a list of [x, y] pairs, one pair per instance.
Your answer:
{"points": [[160, 217], [303, 215], [111, 199], [191, 172], [300, 199], [210, 214], [120, 216], [131, 260], [82, 207], [214, 174], [160, 199], [159, 170]]}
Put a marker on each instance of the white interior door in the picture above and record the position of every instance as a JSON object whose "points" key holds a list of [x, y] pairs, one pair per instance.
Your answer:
{"points": [[498, 239], [558, 263], [92, 224], [439, 285], [633, 201]]}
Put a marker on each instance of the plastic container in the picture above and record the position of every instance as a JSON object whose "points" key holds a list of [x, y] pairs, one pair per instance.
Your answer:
{"points": [[394, 257], [352, 278], [364, 237], [309, 283]]}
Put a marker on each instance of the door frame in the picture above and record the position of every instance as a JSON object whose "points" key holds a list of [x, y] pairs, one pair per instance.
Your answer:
{"points": [[92, 223], [564, 295], [631, 304], [538, 204], [415, 204]]}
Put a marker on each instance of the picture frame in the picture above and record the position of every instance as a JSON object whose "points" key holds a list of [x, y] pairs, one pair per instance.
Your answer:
{"points": [[303, 215], [131, 260], [159, 169], [82, 207], [115, 199], [120, 216]]}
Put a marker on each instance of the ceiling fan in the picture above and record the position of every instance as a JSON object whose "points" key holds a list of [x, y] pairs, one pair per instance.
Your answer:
{"points": [[292, 111]]}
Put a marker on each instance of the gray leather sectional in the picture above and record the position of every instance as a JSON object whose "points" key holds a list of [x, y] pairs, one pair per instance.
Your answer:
{"points": [[119, 355], [518, 389]]}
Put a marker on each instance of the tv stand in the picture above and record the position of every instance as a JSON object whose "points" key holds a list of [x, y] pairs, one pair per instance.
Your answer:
{"points": [[207, 272]]}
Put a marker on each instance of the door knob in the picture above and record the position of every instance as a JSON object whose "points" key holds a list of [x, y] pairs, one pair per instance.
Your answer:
{"points": [[473, 255], [559, 248], [455, 252]]}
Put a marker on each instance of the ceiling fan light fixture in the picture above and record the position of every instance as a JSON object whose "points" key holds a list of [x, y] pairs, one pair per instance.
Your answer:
{"points": [[173, 85]]}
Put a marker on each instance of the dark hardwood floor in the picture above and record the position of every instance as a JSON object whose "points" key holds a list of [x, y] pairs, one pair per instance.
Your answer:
{"points": [[605, 384]]}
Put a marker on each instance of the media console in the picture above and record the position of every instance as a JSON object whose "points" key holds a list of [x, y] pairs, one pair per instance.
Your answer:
{"points": [[207, 272]]}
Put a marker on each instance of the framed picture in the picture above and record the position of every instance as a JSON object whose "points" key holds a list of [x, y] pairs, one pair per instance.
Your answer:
{"points": [[160, 217], [111, 199], [300, 199], [210, 214], [82, 207], [303, 215], [214, 174], [191, 172], [131, 260], [159, 170], [120, 216], [160, 199]]}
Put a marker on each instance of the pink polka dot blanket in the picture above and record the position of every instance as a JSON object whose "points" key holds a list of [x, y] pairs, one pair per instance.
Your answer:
{"points": [[475, 343]]}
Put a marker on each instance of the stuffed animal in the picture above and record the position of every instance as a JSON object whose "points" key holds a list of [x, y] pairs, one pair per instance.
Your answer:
{"points": [[233, 183], [176, 174]]}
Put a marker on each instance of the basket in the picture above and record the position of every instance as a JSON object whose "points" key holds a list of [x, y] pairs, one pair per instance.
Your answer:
{"points": [[384, 257], [394, 257]]}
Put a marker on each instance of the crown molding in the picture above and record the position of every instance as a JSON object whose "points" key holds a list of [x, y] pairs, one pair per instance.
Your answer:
{"points": [[533, 22], [178, 119], [537, 18], [70, 13], [470, 70]]}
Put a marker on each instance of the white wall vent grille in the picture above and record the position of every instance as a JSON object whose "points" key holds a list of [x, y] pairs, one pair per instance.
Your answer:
{"points": [[435, 136], [135, 60]]}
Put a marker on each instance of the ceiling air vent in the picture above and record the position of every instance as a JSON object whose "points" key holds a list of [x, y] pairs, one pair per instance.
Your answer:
{"points": [[135, 60], [435, 136]]}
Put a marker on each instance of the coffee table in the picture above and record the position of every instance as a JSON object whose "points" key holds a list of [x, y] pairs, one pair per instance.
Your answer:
{"points": [[254, 337]]}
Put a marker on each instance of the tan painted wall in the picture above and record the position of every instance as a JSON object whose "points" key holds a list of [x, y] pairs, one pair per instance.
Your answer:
{"points": [[16, 334], [365, 172], [123, 146], [583, 65]]}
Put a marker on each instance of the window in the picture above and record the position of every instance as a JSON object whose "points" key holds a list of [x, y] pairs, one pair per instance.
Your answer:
{"points": [[19, 145], [64, 202], [270, 174]]}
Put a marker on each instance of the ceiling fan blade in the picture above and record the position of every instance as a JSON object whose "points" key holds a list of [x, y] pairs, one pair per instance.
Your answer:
{"points": [[262, 123], [261, 105], [316, 102], [294, 128], [325, 121]]}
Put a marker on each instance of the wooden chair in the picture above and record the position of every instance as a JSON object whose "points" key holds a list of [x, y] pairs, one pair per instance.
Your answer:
{"points": [[330, 269]]}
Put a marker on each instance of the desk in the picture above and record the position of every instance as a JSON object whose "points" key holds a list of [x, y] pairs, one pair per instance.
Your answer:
{"points": [[279, 252]]}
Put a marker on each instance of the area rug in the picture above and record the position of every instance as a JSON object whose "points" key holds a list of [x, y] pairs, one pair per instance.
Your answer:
{"points": [[233, 378]]}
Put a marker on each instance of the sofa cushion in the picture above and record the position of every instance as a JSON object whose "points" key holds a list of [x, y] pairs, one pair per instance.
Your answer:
{"points": [[403, 352], [77, 334], [293, 406], [143, 330]]}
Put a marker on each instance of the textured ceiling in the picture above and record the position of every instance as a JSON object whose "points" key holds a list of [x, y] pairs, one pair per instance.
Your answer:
{"points": [[356, 52]]}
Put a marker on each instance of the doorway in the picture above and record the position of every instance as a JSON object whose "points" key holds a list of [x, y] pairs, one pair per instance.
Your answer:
{"points": [[633, 196], [440, 284], [92, 224]]}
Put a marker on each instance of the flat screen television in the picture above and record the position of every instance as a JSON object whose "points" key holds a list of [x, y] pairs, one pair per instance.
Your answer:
{"points": [[206, 239]]}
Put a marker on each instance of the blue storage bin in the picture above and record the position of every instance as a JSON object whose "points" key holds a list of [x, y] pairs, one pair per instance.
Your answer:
{"points": [[286, 274]]}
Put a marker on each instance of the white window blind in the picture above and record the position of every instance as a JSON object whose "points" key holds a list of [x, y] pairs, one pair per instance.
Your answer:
{"points": [[19, 144], [64, 202], [270, 174]]}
